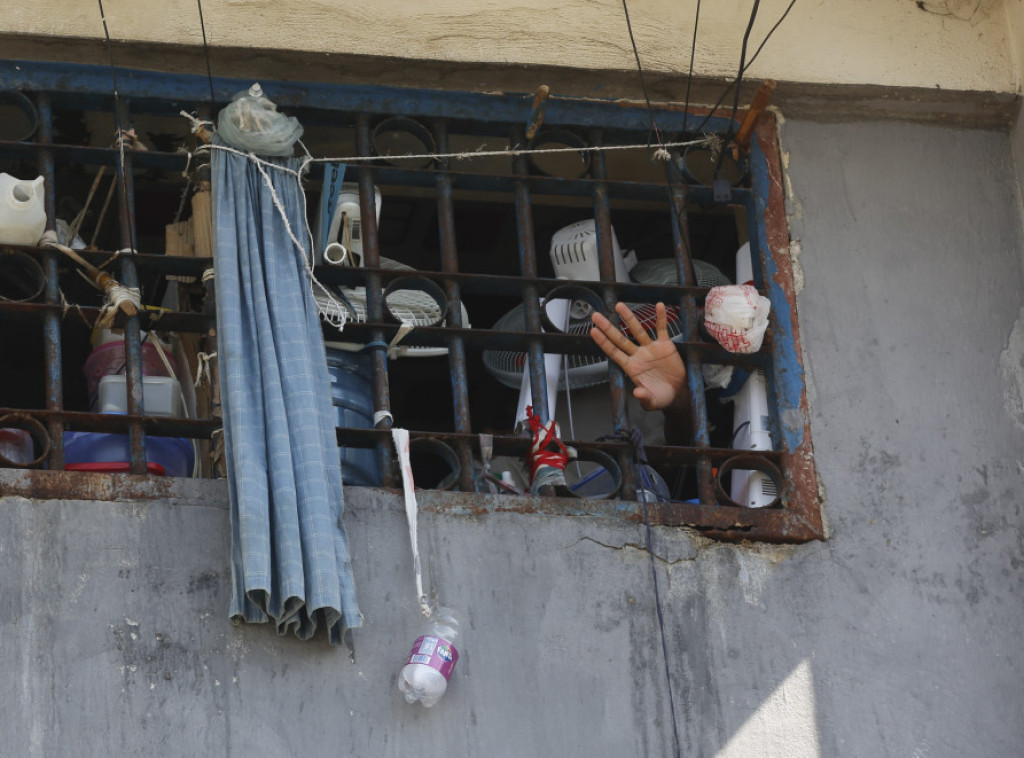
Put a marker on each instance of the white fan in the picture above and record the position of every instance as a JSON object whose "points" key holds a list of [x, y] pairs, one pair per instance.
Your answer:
{"points": [[342, 245], [574, 255], [413, 307]]}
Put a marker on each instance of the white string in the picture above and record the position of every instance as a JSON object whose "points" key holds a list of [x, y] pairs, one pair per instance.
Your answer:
{"points": [[332, 311], [203, 368], [709, 140], [379, 416]]}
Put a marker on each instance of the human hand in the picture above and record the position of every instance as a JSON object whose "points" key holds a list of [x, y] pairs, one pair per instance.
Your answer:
{"points": [[654, 365]]}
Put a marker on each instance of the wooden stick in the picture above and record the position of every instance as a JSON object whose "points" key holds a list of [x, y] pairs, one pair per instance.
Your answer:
{"points": [[761, 101]]}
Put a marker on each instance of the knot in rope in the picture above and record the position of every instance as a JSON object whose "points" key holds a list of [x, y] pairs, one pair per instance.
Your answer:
{"points": [[203, 369], [116, 297]]}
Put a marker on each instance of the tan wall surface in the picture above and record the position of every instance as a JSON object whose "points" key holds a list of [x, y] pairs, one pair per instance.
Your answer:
{"points": [[949, 44]]}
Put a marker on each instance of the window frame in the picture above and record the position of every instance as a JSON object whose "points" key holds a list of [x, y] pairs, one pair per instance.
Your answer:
{"points": [[800, 518]]}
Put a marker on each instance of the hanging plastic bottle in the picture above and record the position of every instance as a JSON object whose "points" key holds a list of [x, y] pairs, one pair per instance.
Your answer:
{"points": [[432, 660]]}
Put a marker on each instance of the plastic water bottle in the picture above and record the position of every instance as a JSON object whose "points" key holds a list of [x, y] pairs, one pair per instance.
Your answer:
{"points": [[432, 660]]}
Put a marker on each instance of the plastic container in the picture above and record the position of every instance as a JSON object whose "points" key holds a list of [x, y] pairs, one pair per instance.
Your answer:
{"points": [[161, 396], [16, 446], [174, 454], [22, 215], [115, 467], [430, 664], [352, 397], [109, 359]]}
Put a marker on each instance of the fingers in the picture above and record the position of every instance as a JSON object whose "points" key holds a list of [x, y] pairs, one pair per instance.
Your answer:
{"points": [[611, 335], [662, 321], [609, 348], [633, 323]]}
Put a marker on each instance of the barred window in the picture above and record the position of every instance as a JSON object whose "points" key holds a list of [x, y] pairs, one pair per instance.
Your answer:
{"points": [[495, 247]]}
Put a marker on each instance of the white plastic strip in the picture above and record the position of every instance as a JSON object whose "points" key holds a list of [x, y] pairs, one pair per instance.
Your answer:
{"points": [[401, 440]]}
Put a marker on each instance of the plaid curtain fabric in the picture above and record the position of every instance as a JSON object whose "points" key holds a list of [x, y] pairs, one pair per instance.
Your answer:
{"points": [[289, 556]]}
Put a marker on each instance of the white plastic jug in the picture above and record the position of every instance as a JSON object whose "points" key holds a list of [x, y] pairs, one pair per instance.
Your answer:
{"points": [[22, 214]]}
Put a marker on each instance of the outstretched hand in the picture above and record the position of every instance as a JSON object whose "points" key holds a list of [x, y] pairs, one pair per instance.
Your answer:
{"points": [[654, 365]]}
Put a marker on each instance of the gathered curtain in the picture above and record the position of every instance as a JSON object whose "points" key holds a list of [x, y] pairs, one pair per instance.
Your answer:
{"points": [[289, 556]]}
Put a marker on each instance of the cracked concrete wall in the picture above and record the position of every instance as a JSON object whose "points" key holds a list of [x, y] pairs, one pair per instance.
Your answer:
{"points": [[897, 637]]}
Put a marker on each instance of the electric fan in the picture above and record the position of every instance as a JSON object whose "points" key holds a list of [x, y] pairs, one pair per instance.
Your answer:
{"points": [[574, 255], [411, 307], [342, 245]]}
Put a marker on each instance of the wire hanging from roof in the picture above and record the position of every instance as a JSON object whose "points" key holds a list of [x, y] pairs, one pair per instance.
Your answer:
{"points": [[123, 135]]}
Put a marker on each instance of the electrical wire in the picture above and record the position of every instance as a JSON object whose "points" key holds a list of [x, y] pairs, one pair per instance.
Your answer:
{"points": [[653, 128], [749, 63], [739, 74], [689, 75], [206, 54], [121, 136]]}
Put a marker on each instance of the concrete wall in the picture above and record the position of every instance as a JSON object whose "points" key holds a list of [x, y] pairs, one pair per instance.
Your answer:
{"points": [[897, 637], [947, 44]]}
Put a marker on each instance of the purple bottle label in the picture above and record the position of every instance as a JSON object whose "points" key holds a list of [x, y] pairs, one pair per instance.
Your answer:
{"points": [[436, 652]]}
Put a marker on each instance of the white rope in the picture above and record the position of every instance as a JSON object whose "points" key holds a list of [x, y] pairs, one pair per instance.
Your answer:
{"points": [[116, 296], [332, 311], [197, 123], [203, 368], [401, 439], [379, 416], [661, 153]]}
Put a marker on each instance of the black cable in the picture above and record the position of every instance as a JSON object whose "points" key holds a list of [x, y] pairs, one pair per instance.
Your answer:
{"points": [[757, 52], [206, 54], [689, 75], [121, 136], [638, 446], [643, 84], [743, 67]]}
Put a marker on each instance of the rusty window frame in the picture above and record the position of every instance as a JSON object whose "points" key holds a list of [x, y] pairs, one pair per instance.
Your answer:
{"points": [[798, 519]]}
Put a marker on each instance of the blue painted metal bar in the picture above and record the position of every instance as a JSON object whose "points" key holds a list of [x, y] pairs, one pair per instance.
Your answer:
{"points": [[689, 314], [129, 278], [186, 89], [606, 264], [51, 321], [456, 345], [786, 378], [374, 297], [528, 268]]}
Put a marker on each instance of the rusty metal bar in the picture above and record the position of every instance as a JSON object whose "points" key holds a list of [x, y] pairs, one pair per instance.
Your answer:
{"points": [[51, 320], [689, 314], [374, 296], [606, 261], [456, 345], [530, 294], [129, 278]]}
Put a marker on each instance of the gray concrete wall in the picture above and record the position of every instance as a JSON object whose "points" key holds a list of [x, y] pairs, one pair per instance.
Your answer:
{"points": [[897, 637]]}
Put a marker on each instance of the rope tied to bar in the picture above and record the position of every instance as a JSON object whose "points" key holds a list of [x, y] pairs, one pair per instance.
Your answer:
{"points": [[706, 141], [203, 368], [116, 297], [548, 455]]}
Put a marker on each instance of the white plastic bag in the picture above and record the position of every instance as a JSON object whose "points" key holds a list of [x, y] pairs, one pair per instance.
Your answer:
{"points": [[252, 123], [737, 316]]}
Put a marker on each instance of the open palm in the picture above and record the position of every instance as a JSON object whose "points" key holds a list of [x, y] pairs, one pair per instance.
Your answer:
{"points": [[654, 365]]}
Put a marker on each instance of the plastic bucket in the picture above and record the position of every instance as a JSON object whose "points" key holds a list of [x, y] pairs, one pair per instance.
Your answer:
{"points": [[174, 454], [109, 359], [352, 397]]}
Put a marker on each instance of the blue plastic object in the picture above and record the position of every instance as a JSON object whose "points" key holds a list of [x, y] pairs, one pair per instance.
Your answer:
{"points": [[352, 397], [175, 454]]}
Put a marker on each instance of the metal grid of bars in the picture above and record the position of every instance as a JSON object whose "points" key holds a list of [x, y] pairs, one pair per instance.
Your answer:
{"points": [[447, 184]]}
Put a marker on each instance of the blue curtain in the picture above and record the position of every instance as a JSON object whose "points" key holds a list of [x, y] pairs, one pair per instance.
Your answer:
{"points": [[289, 557]]}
